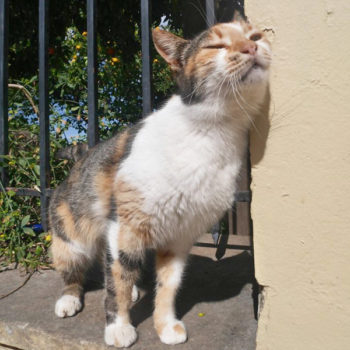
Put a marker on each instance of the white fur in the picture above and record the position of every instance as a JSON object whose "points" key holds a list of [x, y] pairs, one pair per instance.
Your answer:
{"points": [[98, 209], [170, 336], [120, 333], [134, 293], [177, 269], [112, 238], [236, 26], [185, 162], [79, 249], [67, 305]]}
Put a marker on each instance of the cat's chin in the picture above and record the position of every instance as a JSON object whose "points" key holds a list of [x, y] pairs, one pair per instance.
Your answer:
{"points": [[255, 75]]}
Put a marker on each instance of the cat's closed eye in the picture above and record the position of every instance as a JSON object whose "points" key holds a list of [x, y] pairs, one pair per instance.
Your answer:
{"points": [[215, 46]]}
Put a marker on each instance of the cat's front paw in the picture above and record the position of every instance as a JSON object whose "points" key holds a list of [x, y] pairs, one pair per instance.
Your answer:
{"points": [[120, 335], [172, 333], [68, 305]]}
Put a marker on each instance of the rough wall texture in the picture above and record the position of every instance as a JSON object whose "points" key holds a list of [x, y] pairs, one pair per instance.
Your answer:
{"points": [[301, 177]]}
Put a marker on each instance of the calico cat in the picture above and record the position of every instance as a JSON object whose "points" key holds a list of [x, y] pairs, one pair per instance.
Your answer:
{"points": [[162, 183]]}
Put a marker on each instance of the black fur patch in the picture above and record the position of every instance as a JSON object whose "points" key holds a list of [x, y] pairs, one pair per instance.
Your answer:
{"points": [[129, 262], [110, 301], [112, 215]]}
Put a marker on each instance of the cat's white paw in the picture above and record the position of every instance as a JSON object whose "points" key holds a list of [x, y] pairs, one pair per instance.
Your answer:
{"points": [[135, 293], [173, 332], [67, 305], [120, 335]]}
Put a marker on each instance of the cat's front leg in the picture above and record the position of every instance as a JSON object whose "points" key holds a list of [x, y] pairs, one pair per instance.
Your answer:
{"points": [[169, 268], [123, 262]]}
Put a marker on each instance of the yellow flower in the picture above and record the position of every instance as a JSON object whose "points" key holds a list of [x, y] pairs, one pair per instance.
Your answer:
{"points": [[73, 60], [85, 33], [156, 28], [48, 238], [75, 57], [74, 143], [2, 235], [155, 60], [78, 47], [201, 314], [115, 59]]}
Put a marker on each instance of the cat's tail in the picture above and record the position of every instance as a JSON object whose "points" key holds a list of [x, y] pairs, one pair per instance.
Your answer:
{"points": [[74, 153]]}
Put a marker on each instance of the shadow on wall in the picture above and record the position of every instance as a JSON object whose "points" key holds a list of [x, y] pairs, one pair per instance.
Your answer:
{"points": [[205, 280], [259, 134]]}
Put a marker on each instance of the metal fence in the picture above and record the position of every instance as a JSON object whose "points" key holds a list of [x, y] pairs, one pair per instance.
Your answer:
{"points": [[238, 218]]}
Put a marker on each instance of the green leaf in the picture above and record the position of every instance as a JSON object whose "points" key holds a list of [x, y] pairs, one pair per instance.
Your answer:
{"points": [[37, 169], [29, 231], [25, 220]]}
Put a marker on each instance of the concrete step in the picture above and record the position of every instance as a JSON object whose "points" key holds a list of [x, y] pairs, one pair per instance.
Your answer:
{"points": [[222, 291]]}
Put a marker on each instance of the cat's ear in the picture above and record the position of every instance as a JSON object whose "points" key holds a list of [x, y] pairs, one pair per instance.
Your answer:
{"points": [[238, 17], [170, 47]]}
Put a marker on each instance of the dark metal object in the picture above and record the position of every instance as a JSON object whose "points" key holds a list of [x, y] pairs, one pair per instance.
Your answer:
{"points": [[146, 58], [210, 12], [227, 246], [93, 137], [3, 86], [243, 196], [44, 109]]}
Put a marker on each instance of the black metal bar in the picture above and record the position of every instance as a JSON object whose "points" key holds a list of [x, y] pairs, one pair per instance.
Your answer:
{"points": [[3, 85], [44, 109], [146, 57], [210, 12], [227, 246], [243, 196], [93, 136]]}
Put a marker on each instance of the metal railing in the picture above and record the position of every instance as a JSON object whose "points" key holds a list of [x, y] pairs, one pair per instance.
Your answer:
{"points": [[239, 224]]}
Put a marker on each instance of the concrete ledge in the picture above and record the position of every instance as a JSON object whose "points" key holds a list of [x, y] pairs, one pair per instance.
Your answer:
{"points": [[221, 290]]}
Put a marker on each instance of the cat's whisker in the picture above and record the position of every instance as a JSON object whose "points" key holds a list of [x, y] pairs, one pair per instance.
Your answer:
{"points": [[201, 12], [254, 108], [234, 87]]}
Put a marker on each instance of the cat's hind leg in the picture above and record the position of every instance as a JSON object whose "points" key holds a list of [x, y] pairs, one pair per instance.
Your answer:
{"points": [[73, 254], [169, 268], [72, 267]]}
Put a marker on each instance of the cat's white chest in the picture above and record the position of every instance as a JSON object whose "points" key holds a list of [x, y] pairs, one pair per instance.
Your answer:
{"points": [[186, 177]]}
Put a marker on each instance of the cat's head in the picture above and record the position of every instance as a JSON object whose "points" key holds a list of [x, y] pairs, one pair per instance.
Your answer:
{"points": [[227, 59]]}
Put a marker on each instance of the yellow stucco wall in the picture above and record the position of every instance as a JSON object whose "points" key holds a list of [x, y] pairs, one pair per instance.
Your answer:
{"points": [[301, 177]]}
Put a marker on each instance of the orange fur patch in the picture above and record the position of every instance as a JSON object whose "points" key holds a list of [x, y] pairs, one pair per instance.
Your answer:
{"points": [[135, 224], [123, 283], [105, 178], [165, 296], [64, 212]]}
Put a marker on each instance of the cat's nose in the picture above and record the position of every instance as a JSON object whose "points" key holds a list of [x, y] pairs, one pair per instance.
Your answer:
{"points": [[249, 47]]}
